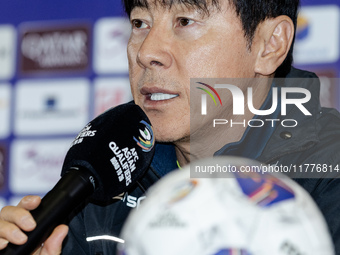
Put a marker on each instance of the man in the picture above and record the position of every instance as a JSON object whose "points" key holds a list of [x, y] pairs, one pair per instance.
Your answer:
{"points": [[171, 42]]}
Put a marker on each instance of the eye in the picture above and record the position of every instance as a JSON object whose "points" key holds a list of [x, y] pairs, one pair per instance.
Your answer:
{"points": [[137, 23], [183, 22]]}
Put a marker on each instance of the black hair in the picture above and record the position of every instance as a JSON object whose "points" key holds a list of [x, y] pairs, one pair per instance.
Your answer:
{"points": [[201, 5], [253, 12], [250, 12]]}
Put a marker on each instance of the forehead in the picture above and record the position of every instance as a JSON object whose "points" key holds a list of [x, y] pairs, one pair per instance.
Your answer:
{"points": [[201, 5]]}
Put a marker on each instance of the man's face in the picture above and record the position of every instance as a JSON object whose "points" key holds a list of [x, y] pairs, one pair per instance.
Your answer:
{"points": [[168, 46]]}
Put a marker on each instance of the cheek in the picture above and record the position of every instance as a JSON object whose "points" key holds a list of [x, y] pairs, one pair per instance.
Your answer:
{"points": [[207, 60], [170, 126], [132, 51], [225, 56], [133, 69]]}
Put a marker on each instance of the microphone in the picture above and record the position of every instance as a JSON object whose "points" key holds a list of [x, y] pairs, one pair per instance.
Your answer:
{"points": [[107, 157]]}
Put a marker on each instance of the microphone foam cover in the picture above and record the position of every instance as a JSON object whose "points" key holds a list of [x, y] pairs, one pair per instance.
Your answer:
{"points": [[117, 147]]}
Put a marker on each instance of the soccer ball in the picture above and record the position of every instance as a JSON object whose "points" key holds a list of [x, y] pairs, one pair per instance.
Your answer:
{"points": [[235, 213]]}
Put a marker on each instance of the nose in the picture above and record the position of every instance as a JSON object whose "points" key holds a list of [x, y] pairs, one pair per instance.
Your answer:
{"points": [[154, 52]]}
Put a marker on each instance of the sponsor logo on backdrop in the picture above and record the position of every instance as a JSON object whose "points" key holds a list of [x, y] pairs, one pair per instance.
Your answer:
{"points": [[49, 107], [111, 36], [110, 92], [314, 43], [303, 28], [36, 164], [54, 47], [5, 97], [7, 51]]}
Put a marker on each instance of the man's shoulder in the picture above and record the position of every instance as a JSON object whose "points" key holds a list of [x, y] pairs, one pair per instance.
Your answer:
{"points": [[316, 137], [328, 129], [299, 73], [328, 126], [318, 144]]}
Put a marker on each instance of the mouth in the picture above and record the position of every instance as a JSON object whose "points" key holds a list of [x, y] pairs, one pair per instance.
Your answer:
{"points": [[155, 94], [161, 96]]}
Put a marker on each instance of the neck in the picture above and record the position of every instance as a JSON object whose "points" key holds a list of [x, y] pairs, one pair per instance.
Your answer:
{"points": [[183, 151]]}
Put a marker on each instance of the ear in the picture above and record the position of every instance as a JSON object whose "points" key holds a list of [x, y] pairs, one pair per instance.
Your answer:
{"points": [[274, 39]]}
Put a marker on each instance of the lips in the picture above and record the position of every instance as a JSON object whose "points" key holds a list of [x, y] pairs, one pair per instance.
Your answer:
{"points": [[162, 96], [155, 94]]}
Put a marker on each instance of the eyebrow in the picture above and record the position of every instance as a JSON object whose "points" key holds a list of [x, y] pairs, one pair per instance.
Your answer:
{"points": [[200, 5]]}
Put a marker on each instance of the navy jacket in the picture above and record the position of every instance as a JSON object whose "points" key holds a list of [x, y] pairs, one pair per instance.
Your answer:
{"points": [[316, 140]]}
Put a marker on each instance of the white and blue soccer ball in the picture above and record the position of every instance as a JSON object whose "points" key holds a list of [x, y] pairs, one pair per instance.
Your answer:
{"points": [[236, 213]]}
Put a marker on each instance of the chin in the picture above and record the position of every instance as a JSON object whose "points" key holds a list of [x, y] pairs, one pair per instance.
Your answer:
{"points": [[168, 129], [165, 136]]}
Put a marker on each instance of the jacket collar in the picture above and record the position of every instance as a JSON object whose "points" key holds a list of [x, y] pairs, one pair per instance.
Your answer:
{"points": [[304, 135], [269, 143]]}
